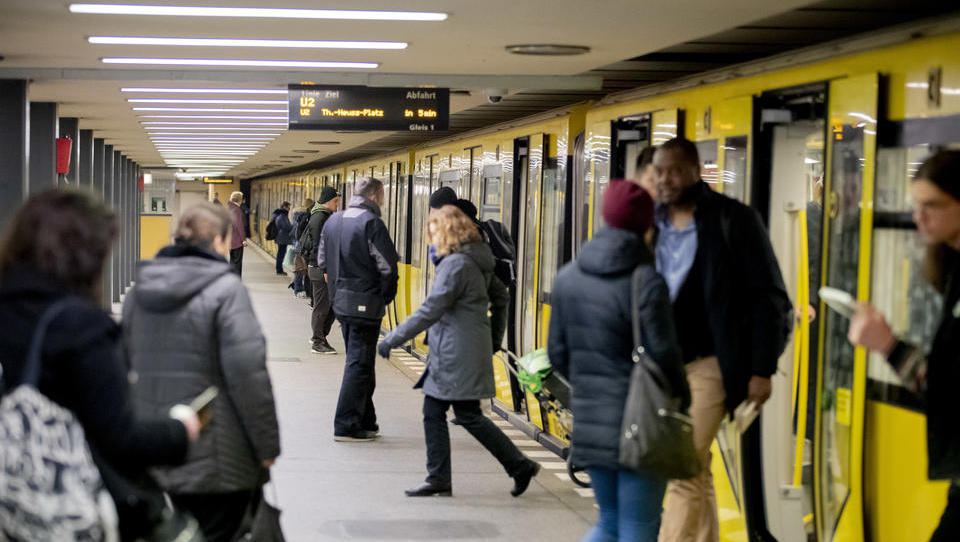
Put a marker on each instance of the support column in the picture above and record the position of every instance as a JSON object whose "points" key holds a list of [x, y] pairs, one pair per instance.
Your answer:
{"points": [[70, 129], [137, 209], [43, 146], [85, 160], [108, 177], [14, 142], [127, 226], [115, 204], [99, 171]]}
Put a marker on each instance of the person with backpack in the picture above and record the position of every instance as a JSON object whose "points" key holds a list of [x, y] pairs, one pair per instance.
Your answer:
{"points": [[590, 342], [732, 314], [322, 317], [459, 372], [187, 300], [51, 262], [300, 283], [279, 229], [501, 244]]}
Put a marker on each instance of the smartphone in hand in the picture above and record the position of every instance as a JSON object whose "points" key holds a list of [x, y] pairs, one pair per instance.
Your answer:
{"points": [[202, 404]]}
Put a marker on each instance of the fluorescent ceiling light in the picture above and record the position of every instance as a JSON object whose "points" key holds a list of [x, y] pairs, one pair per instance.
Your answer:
{"points": [[152, 134], [244, 63], [215, 117], [208, 146], [261, 13], [226, 42], [172, 152], [210, 110], [181, 123], [160, 90], [217, 129], [180, 101]]}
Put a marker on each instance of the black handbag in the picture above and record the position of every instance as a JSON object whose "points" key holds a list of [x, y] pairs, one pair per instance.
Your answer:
{"points": [[656, 436], [261, 522]]}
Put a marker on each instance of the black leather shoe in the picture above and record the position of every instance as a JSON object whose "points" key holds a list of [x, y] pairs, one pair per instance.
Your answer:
{"points": [[429, 490], [359, 436], [522, 481]]}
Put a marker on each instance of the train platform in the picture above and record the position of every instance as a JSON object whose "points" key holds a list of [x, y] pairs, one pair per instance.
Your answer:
{"points": [[354, 491]]}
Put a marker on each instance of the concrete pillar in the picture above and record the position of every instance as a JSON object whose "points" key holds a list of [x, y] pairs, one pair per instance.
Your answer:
{"points": [[70, 129], [43, 146], [108, 176], [99, 159], [85, 150], [137, 209], [14, 142], [115, 204]]}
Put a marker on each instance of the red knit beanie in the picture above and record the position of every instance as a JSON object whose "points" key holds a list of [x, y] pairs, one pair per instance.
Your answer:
{"points": [[627, 206]]}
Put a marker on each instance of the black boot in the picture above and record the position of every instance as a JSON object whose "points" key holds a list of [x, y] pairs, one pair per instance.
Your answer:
{"points": [[522, 481]]}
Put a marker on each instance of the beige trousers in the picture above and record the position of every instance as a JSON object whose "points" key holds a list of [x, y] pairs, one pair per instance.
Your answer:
{"points": [[690, 512]]}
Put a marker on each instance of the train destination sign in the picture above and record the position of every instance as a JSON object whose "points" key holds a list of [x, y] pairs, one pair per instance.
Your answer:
{"points": [[318, 107]]}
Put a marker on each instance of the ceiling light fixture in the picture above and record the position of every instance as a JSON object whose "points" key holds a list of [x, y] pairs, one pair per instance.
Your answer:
{"points": [[181, 123], [219, 138], [261, 13], [546, 49], [161, 90], [197, 101], [226, 42], [212, 117], [210, 110], [242, 63]]}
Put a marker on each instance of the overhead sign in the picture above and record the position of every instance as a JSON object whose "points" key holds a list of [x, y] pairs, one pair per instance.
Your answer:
{"points": [[217, 180], [316, 107]]}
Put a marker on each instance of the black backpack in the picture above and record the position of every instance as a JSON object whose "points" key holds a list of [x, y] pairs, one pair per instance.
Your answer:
{"points": [[272, 229], [504, 251]]}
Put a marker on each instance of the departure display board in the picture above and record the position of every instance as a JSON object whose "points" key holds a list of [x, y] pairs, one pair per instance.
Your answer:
{"points": [[321, 107]]}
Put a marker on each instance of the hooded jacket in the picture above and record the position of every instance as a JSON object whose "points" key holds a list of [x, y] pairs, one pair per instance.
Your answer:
{"points": [[310, 237], [284, 226], [460, 361], [591, 338], [189, 325]]}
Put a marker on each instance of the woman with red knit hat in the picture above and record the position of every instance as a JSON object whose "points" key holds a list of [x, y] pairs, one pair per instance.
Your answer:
{"points": [[590, 343]]}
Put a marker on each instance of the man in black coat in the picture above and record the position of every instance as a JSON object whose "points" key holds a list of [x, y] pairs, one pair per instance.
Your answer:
{"points": [[360, 263], [732, 314], [321, 321]]}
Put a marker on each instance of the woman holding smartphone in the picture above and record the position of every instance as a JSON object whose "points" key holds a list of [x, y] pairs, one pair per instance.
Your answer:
{"points": [[189, 325], [935, 191]]}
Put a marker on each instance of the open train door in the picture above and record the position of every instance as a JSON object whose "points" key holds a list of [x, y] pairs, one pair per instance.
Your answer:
{"points": [[841, 393]]}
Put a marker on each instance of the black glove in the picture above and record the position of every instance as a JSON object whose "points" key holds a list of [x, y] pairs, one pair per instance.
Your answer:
{"points": [[384, 349]]}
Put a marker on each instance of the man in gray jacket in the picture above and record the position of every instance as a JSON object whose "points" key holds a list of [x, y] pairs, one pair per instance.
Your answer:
{"points": [[360, 264], [322, 319]]}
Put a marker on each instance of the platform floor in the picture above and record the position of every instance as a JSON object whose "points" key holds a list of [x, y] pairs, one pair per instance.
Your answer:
{"points": [[354, 491]]}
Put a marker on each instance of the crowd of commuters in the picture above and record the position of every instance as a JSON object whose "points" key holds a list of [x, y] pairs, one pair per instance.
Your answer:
{"points": [[691, 269]]}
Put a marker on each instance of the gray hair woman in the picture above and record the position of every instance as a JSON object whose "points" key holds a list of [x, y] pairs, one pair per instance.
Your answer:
{"points": [[190, 325]]}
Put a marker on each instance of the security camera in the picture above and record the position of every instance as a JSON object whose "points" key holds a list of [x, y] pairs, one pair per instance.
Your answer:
{"points": [[495, 95]]}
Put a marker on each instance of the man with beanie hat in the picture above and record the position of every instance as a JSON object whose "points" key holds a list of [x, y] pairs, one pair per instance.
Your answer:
{"points": [[322, 317], [732, 316], [591, 336], [443, 196]]}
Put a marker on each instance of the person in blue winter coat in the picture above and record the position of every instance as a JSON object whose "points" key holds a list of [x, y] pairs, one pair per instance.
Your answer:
{"points": [[281, 218], [590, 342]]}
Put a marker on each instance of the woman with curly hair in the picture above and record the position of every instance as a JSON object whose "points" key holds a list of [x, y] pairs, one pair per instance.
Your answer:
{"points": [[459, 370]]}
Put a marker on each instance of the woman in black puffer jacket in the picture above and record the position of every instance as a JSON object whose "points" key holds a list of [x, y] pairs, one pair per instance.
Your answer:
{"points": [[590, 343]]}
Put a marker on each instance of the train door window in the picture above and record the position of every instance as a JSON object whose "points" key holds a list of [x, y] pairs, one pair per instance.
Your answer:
{"points": [[551, 236], [492, 191], [628, 137], [580, 194], [452, 178], [734, 174], [530, 177], [403, 187], [709, 169], [474, 169]]}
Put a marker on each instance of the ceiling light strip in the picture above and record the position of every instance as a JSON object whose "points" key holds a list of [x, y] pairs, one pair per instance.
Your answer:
{"points": [[241, 63], [182, 123], [212, 117], [198, 101], [261, 13], [162, 90], [228, 42]]}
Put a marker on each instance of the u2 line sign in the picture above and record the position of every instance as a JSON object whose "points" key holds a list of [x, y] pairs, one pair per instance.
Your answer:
{"points": [[317, 107]]}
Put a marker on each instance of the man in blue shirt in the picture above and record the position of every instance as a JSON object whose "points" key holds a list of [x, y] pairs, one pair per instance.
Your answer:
{"points": [[732, 314]]}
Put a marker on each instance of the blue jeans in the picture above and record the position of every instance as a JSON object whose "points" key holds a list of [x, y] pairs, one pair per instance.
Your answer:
{"points": [[630, 505]]}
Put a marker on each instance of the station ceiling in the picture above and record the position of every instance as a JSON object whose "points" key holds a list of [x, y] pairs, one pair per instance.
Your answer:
{"points": [[632, 44]]}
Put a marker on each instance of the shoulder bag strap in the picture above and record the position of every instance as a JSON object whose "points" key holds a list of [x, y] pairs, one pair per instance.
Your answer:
{"points": [[635, 311], [34, 363]]}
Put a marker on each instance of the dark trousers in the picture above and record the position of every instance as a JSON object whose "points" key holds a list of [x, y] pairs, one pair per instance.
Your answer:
{"points": [[219, 514], [355, 411], [949, 528], [236, 260], [322, 319], [281, 254], [468, 415]]}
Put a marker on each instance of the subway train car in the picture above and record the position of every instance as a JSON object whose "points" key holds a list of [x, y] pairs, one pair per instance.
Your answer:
{"points": [[822, 143]]}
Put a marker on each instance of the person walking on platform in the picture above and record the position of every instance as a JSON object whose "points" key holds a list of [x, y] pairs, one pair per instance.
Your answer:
{"points": [[301, 282], [459, 371], [239, 235], [321, 320], [281, 221], [935, 191], [360, 263], [590, 341], [732, 314], [189, 324], [51, 263]]}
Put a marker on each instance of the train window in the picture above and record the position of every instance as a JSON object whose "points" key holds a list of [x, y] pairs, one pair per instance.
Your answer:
{"points": [[452, 178], [403, 187], [492, 193], [734, 174], [551, 227], [709, 170], [581, 194]]}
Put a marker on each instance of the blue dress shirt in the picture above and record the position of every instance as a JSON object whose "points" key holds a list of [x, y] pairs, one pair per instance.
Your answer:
{"points": [[676, 251]]}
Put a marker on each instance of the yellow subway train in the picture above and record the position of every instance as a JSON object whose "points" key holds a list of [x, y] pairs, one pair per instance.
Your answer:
{"points": [[822, 143]]}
